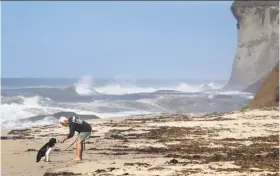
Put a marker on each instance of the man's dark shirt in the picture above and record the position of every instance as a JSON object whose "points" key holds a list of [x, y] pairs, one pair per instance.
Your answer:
{"points": [[78, 125]]}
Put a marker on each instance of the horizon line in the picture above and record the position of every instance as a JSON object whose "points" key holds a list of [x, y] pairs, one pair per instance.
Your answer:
{"points": [[151, 78]]}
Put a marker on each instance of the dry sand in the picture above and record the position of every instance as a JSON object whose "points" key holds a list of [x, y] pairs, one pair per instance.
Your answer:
{"points": [[236, 143]]}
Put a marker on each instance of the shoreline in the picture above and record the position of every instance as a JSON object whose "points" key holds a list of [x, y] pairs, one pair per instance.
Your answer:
{"points": [[233, 143], [6, 130]]}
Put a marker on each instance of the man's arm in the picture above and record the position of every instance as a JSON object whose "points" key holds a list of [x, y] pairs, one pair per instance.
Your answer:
{"points": [[71, 132]]}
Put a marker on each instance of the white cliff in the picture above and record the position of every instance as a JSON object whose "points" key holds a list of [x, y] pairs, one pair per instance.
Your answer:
{"points": [[258, 42]]}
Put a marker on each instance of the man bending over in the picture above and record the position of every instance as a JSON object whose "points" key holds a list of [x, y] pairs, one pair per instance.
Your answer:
{"points": [[80, 126]]}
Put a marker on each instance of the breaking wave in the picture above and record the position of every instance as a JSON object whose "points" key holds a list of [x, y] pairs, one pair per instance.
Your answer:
{"points": [[15, 109], [113, 99], [87, 87], [118, 89], [84, 86]]}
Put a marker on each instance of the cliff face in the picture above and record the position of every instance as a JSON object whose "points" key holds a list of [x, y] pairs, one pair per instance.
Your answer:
{"points": [[258, 42], [253, 88], [268, 94]]}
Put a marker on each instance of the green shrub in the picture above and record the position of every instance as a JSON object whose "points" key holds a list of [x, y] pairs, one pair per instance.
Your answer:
{"points": [[245, 107]]}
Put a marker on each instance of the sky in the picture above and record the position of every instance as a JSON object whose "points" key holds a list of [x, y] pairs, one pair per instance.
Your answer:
{"points": [[192, 40]]}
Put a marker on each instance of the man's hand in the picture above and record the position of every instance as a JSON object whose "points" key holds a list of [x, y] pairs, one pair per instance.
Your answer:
{"points": [[62, 140]]}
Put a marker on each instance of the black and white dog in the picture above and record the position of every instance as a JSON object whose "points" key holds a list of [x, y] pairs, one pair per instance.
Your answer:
{"points": [[46, 150]]}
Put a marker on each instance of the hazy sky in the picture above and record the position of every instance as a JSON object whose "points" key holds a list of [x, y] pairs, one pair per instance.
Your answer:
{"points": [[105, 39]]}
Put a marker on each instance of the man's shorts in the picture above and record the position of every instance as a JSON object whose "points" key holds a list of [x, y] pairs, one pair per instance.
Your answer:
{"points": [[83, 135]]}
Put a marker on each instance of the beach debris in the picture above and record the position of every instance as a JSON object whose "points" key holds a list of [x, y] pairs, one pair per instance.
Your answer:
{"points": [[62, 174], [137, 164], [16, 132], [31, 150], [173, 161], [110, 169], [4, 137], [100, 170], [16, 137]]}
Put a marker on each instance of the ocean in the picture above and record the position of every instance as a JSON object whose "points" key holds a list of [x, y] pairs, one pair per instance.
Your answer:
{"points": [[23, 98]]}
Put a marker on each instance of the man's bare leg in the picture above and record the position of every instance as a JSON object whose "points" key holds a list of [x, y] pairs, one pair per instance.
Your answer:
{"points": [[82, 150], [78, 150]]}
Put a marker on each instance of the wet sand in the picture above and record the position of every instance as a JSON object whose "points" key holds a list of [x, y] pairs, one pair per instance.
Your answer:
{"points": [[235, 143]]}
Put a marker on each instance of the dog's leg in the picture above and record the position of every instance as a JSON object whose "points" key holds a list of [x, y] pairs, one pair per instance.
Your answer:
{"points": [[48, 154]]}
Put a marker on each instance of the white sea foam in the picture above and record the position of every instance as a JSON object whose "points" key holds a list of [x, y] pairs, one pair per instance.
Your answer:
{"points": [[84, 86], [32, 106], [246, 95], [20, 124], [127, 85], [15, 111], [118, 89]]}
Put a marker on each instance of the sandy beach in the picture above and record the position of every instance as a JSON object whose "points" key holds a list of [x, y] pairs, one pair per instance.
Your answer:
{"points": [[169, 88], [235, 143]]}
